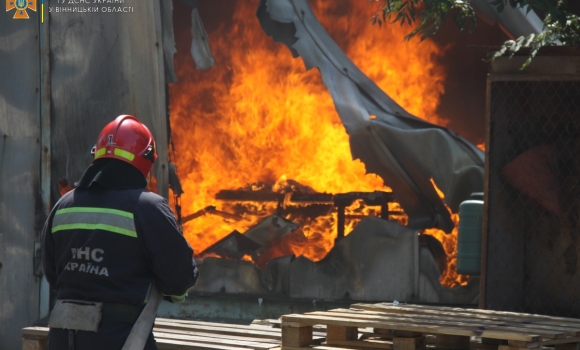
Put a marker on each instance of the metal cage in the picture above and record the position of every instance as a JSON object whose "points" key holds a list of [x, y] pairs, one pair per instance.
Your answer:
{"points": [[531, 241]]}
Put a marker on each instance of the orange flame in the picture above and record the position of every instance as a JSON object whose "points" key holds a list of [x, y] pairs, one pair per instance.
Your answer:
{"points": [[449, 277], [259, 117]]}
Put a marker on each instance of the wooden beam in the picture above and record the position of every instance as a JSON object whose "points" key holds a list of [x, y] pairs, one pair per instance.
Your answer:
{"points": [[296, 336], [341, 333]]}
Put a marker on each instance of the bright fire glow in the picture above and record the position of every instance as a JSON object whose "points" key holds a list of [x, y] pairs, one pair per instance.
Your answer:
{"points": [[449, 277], [259, 117]]}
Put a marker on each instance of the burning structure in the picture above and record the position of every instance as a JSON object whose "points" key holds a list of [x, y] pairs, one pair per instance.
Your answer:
{"points": [[266, 164], [256, 121]]}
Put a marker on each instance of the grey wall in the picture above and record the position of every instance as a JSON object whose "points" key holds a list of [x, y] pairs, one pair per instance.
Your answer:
{"points": [[104, 65], [19, 175], [101, 65]]}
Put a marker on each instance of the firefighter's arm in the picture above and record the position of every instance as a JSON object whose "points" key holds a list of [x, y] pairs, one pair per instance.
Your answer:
{"points": [[170, 256]]}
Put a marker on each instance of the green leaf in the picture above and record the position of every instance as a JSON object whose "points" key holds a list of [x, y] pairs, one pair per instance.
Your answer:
{"points": [[431, 14]]}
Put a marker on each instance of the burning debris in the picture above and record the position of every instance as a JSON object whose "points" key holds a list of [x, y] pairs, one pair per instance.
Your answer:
{"points": [[270, 231], [277, 235], [378, 260], [407, 152], [234, 246], [261, 116]]}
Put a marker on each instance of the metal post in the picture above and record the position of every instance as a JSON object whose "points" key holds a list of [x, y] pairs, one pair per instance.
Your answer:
{"points": [[44, 36], [160, 121]]}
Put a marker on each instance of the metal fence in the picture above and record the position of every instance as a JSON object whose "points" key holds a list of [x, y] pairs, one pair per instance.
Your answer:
{"points": [[531, 248]]}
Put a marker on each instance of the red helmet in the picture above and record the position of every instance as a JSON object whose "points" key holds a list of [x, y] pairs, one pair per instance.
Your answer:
{"points": [[127, 139]]}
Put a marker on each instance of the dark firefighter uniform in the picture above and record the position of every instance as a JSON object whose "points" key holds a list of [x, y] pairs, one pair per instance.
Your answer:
{"points": [[108, 241]]}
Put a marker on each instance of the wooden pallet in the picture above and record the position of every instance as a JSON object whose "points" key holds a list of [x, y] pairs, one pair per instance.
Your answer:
{"points": [[182, 334], [411, 327]]}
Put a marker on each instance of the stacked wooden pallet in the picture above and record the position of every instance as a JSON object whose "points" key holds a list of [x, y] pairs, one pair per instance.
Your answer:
{"points": [[182, 334], [366, 326], [409, 327]]}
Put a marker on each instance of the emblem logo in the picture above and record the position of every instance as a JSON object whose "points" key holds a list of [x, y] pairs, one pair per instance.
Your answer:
{"points": [[21, 7]]}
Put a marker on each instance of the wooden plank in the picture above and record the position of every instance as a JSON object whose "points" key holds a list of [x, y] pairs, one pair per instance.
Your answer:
{"points": [[167, 321], [509, 347], [529, 320], [34, 331], [300, 320], [216, 341], [272, 323], [207, 325], [224, 329], [30, 344], [316, 339], [474, 312], [360, 344], [296, 336], [168, 344], [571, 330], [221, 329], [547, 333], [436, 322], [174, 339], [209, 336], [316, 347], [227, 328]]}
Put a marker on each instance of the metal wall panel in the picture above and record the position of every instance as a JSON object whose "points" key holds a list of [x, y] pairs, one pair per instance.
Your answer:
{"points": [[19, 175], [104, 65]]}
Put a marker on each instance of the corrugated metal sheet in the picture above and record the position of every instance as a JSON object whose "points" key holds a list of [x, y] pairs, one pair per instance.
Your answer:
{"points": [[104, 65], [405, 151], [19, 175]]}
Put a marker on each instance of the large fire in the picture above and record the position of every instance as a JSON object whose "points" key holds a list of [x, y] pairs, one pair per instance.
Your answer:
{"points": [[258, 117]]}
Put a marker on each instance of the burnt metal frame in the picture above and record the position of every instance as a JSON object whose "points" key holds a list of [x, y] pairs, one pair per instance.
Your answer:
{"points": [[340, 201]]}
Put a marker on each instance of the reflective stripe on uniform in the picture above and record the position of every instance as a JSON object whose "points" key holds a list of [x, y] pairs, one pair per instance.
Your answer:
{"points": [[88, 218]]}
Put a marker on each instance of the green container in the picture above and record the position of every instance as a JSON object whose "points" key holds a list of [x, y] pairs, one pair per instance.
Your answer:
{"points": [[469, 237]]}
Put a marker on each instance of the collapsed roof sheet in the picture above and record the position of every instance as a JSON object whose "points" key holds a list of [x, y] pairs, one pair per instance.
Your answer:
{"points": [[405, 151], [515, 22]]}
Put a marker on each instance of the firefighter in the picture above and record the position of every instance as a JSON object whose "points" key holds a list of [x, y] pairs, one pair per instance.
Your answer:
{"points": [[109, 242]]}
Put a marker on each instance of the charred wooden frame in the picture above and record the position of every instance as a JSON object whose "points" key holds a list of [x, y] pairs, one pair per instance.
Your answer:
{"points": [[340, 200]]}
